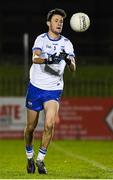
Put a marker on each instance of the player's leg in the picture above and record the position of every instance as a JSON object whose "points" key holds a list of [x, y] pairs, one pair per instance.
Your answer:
{"points": [[32, 120], [51, 108]]}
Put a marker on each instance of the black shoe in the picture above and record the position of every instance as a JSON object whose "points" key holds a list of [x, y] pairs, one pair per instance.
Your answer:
{"points": [[30, 166], [41, 167]]}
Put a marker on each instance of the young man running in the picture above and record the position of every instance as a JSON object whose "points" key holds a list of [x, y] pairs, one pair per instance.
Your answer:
{"points": [[51, 53]]}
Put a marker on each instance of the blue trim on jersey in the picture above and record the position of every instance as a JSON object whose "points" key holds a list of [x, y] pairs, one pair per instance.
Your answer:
{"points": [[54, 39], [36, 48], [36, 97], [43, 35]]}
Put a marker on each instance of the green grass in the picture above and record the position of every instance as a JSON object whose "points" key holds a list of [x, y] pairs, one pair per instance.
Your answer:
{"points": [[69, 159]]}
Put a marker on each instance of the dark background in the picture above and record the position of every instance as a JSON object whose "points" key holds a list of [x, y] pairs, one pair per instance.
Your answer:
{"points": [[19, 17]]}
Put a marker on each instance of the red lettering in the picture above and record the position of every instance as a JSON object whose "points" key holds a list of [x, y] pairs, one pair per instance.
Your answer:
{"points": [[17, 111], [10, 110], [3, 110]]}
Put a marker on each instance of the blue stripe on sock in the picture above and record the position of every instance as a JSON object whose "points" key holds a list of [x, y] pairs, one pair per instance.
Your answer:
{"points": [[43, 151], [29, 148]]}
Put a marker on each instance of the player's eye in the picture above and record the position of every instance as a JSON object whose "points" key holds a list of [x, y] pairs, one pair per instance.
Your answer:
{"points": [[61, 22], [56, 20]]}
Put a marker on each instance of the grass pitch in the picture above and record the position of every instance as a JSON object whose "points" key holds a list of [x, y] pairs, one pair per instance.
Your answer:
{"points": [[68, 159]]}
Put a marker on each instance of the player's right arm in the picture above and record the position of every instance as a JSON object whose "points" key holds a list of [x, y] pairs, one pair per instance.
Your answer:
{"points": [[37, 52], [36, 57]]}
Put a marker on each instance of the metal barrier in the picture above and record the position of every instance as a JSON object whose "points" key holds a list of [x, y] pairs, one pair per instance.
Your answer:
{"points": [[102, 88], [12, 87]]}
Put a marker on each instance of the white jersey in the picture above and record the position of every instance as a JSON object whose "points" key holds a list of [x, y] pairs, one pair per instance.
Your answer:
{"points": [[50, 77]]}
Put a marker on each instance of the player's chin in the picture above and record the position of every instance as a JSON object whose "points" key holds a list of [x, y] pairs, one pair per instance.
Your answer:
{"points": [[58, 31]]}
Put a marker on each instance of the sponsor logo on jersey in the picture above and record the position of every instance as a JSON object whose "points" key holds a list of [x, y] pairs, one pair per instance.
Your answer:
{"points": [[48, 46]]}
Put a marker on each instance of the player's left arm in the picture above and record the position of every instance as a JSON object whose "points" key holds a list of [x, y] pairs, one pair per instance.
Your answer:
{"points": [[71, 62], [37, 59], [70, 57]]}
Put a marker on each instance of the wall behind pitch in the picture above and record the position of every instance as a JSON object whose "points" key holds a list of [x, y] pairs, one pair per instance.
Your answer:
{"points": [[79, 118]]}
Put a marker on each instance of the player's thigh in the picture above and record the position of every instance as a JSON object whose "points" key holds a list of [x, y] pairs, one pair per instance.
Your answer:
{"points": [[51, 109], [32, 118]]}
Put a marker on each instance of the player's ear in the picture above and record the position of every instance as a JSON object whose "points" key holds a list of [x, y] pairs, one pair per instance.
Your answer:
{"points": [[48, 23]]}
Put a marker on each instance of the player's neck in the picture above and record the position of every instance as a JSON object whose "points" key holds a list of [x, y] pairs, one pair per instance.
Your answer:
{"points": [[53, 35]]}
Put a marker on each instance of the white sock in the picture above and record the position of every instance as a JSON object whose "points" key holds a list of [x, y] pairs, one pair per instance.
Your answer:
{"points": [[29, 152], [41, 154]]}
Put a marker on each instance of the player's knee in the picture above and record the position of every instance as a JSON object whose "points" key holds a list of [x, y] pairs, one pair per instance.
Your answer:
{"points": [[49, 127], [30, 128]]}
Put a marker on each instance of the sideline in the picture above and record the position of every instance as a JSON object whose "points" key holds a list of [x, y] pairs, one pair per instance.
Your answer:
{"points": [[85, 159]]}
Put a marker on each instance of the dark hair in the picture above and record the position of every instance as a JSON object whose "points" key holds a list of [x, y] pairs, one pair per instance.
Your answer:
{"points": [[56, 11]]}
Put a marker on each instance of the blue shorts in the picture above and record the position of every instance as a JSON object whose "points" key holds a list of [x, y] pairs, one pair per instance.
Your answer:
{"points": [[36, 97]]}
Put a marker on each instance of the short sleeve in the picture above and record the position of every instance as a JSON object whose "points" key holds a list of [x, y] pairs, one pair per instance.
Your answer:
{"points": [[38, 44], [69, 48]]}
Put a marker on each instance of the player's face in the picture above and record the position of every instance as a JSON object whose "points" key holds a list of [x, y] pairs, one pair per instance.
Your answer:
{"points": [[56, 24]]}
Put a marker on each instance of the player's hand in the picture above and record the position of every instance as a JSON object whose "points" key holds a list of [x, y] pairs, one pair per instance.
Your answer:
{"points": [[51, 58], [65, 56]]}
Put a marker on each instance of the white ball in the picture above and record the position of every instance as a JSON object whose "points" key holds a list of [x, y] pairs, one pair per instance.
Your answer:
{"points": [[80, 22]]}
